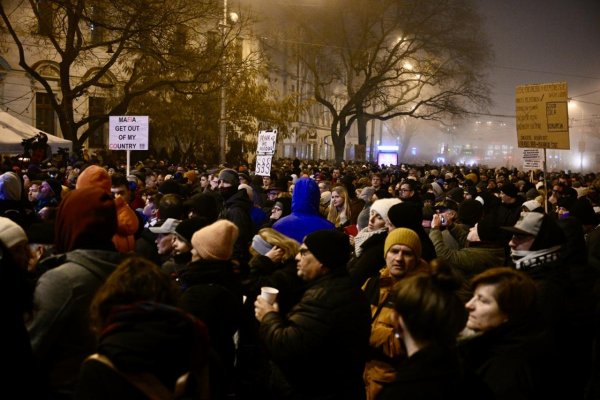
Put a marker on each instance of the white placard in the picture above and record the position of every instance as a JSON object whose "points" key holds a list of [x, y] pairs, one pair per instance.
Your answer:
{"points": [[532, 159], [128, 132], [263, 164], [267, 140]]}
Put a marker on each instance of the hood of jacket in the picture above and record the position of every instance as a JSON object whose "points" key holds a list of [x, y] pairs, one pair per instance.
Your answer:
{"points": [[10, 186], [99, 262], [306, 197]]}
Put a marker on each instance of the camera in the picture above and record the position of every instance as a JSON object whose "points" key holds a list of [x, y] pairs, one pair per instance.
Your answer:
{"points": [[443, 220]]}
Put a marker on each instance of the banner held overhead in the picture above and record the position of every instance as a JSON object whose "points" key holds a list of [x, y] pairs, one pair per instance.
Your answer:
{"points": [[543, 116]]}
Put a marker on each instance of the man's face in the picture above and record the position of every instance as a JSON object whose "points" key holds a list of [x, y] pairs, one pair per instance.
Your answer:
{"points": [[214, 183], [521, 242], [376, 182], [223, 184], [34, 191], [309, 268], [400, 260], [203, 182], [120, 191], [164, 243], [335, 174], [272, 194], [405, 191], [266, 181], [151, 182], [506, 199], [321, 187]]}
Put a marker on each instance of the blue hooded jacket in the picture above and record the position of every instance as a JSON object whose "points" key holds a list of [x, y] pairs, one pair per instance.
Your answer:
{"points": [[305, 217]]}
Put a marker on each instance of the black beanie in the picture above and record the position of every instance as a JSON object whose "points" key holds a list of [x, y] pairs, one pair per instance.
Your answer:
{"points": [[188, 227], [170, 186], [470, 212], [330, 247], [406, 215], [230, 176], [510, 190]]}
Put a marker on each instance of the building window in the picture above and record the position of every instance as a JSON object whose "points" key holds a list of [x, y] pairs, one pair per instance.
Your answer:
{"points": [[46, 17], [97, 107], [44, 114]]}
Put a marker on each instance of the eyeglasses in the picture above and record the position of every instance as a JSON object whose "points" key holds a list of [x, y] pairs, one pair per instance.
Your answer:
{"points": [[275, 209], [405, 190]]}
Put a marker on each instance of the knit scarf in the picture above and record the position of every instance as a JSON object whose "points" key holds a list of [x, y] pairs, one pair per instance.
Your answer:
{"points": [[362, 237], [525, 260]]}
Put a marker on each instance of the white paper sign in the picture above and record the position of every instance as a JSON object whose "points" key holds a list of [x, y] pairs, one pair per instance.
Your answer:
{"points": [[532, 159], [267, 140], [128, 132], [263, 164]]}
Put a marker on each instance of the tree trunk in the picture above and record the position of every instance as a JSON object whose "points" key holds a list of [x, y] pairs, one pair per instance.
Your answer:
{"points": [[403, 148], [361, 122]]}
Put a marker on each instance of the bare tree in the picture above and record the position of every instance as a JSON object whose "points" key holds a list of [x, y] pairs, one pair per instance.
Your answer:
{"points": [[385, 59], [129, 48], [188, 124]]}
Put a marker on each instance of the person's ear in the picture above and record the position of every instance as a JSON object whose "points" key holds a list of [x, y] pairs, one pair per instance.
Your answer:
{"points": [[399, 325]]}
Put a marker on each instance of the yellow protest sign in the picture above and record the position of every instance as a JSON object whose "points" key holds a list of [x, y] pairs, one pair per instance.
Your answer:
{"points": [[543, 116]]}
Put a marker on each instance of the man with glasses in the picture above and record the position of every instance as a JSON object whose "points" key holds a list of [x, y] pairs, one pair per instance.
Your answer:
{"points": [[319, 348], [409, 192]]}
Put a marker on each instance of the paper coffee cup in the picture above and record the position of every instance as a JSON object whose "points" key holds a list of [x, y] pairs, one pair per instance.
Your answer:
{"points": [[269, 294]]}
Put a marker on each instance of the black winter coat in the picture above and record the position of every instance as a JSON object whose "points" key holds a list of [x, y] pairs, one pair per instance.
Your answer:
{"points": [[320, 346], [434, 373]]}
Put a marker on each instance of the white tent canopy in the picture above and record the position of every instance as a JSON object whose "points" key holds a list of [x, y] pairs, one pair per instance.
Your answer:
{"points": [[13, 131]]}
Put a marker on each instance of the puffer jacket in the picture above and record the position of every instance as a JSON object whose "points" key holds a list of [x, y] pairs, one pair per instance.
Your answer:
{"points": [[320, 346]]}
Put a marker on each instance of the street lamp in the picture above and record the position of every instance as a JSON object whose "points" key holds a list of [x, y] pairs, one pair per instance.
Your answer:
{"points": [[233, 17]]}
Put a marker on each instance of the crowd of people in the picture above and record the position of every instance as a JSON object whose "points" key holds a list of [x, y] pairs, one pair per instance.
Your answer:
{"points": [[394, 282]]}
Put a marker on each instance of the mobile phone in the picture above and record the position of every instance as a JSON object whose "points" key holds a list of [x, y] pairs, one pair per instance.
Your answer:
{"points": [[443, 220]]}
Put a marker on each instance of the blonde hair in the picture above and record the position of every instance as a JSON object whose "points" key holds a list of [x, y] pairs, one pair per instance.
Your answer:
{"points": [[333, 215], [289, 246]]}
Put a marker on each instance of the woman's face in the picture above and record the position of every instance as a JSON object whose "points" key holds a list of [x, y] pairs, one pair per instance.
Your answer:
{"points": [[484, 312], [376, 222], [336, 199], [276, 212], [181, 246]]}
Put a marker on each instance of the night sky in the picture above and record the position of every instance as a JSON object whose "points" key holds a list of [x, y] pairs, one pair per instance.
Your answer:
{"points": [[539, 41]]}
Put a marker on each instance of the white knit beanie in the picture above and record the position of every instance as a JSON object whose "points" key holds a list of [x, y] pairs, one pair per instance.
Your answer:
{"points": [[382, 206], [11, 234]]}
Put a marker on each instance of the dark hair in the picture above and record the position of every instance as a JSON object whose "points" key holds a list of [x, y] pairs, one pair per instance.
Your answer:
{"points": [[135, 279], [170, 206], [430, 306], [117, 180], [515, 291]]}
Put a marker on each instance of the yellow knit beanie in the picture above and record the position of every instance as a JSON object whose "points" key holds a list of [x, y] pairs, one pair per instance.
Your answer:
{"points": [[404, 236]]}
